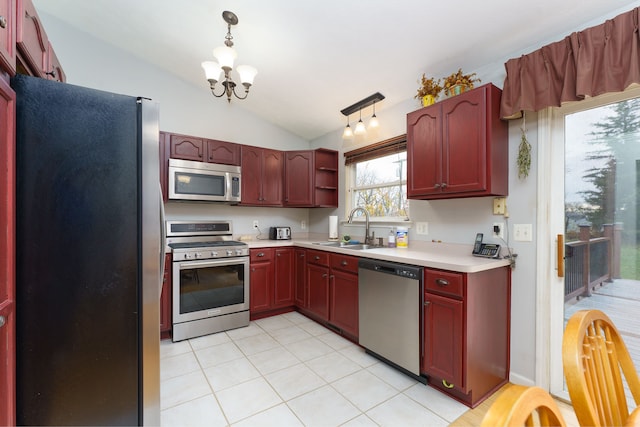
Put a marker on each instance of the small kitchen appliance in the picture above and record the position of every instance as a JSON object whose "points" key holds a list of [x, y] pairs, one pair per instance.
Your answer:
{"points": [[280, 233]]}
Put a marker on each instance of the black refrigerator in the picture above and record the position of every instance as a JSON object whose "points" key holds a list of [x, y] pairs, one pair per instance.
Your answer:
{"points": [[88, 256]]}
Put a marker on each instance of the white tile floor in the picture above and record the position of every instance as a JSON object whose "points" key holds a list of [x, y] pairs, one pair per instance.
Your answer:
{"points": [[289, 371]]}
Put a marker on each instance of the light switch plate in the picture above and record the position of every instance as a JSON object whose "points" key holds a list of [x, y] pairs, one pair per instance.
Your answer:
{"points": [[422, 228], [523, 232]]}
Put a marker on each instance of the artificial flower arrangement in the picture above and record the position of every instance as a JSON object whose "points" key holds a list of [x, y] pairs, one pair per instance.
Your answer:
{"points": [[457, 82], [428, 86]]}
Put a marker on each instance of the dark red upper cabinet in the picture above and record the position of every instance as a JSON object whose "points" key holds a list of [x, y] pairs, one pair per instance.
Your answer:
{"points": [[458, 147]]}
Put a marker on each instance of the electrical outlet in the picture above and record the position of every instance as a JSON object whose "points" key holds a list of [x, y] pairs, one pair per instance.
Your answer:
{"points": [[422, 228], [255, 224], [523, 232], [500, 233], [303, 225]]}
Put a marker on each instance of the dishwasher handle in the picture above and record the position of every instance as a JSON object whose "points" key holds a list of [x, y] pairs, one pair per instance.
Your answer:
{"points": [[403, 270]]}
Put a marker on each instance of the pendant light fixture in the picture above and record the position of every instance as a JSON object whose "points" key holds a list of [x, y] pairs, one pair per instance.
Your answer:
{"points": [[360, 128], [358, 106], [348, 133], [373, 122], [225, 56]]}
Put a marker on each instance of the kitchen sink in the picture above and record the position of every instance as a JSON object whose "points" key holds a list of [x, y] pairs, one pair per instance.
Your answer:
{"points": [[354, 246]]}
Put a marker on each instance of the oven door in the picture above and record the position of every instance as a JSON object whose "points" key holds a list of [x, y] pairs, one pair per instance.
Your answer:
{"points": [[209, 288]]}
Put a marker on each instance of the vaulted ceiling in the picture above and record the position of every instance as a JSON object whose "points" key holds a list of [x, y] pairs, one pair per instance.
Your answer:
{"points": [[316, 57]]}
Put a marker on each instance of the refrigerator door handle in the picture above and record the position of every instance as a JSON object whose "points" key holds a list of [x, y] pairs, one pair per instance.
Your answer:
{"points": [[163, 238]]}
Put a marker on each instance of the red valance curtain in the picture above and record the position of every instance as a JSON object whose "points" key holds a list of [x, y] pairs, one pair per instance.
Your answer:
{"points": [[600, 59]]}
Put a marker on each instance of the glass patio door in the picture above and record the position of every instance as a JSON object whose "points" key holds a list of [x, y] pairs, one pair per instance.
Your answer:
{"points": [[596, 154]]}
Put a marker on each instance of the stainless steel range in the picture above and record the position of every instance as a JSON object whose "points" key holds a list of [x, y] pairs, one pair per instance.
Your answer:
{"points": [[210, 278]]}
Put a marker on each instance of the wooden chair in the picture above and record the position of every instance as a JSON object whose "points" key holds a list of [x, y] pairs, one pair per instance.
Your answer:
{"points": [[523, 406], [596, 361]]}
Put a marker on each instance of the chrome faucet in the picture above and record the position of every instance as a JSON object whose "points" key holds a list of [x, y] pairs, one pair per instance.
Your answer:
{"points": [[367, 239]]}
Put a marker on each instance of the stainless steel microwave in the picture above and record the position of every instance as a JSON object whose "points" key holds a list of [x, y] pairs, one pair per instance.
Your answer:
{"points": [[201, 181]]}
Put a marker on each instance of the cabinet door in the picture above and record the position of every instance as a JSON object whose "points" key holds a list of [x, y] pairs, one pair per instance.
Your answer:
{"points": [[8, 38], [298, 186], [343, 312], [226, 153], [300, 293], [54, 68], [272, 177], [7, 249], [464, 140], [31, 38], [261, 286], [187, 148], [424, 152], [165, 297], [283, 288], [443, 339], [318, 280], [251, 161]]}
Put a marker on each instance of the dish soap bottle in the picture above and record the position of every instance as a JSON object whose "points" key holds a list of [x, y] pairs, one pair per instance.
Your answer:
{"points": [[391, 240]]}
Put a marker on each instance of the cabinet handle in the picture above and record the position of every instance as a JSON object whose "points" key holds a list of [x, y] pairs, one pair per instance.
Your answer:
{"points": [[446, 384], [437, 186], [3, 22], [301, 255], [261, 254], [442, 282], [444, 185], [427, 303], [343, 263], [324, 275], [3, 320], [316, 257], [278, 254]]}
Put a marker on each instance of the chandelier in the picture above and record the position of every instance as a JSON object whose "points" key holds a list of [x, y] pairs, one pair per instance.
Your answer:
{"points": [[225, 55]]}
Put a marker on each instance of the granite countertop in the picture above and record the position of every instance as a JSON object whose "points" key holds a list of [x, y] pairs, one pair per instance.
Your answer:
{"points": [[445, 256]]}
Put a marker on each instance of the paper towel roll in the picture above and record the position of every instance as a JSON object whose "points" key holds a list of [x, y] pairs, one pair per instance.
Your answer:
{"points": [[333, 227]]}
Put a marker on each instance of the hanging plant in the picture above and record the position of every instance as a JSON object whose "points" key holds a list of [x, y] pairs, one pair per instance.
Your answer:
{"points": [[524, 153]]}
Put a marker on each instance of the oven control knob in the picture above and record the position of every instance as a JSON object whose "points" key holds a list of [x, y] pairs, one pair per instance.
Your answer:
{"points": [[238, 251], [198, 255], [188, 256], [214, 254], [229, 253]]}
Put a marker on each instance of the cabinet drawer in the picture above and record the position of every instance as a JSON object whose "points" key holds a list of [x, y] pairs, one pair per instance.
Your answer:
{"points": [[345, 263], [318, 257], [261, 255], [444, 282]]}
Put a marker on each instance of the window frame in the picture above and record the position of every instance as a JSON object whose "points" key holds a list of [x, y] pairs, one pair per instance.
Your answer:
{"points": [[373, 151]]}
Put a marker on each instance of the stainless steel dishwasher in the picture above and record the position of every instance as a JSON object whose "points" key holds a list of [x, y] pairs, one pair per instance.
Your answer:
{"points": [[390, 303]]}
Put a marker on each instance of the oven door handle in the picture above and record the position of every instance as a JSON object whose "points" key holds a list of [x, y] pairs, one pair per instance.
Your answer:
{"points": [[211, 263]]}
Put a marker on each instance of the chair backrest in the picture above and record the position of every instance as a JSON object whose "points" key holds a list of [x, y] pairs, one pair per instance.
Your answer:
{"points": [[523, 406], [595, 361]]}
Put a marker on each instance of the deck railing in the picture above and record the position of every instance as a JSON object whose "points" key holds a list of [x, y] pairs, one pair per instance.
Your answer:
{"points": [[590, 262]]}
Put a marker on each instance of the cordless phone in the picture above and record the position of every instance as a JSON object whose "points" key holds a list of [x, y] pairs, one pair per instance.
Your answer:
{"points": [[487, 250]]}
